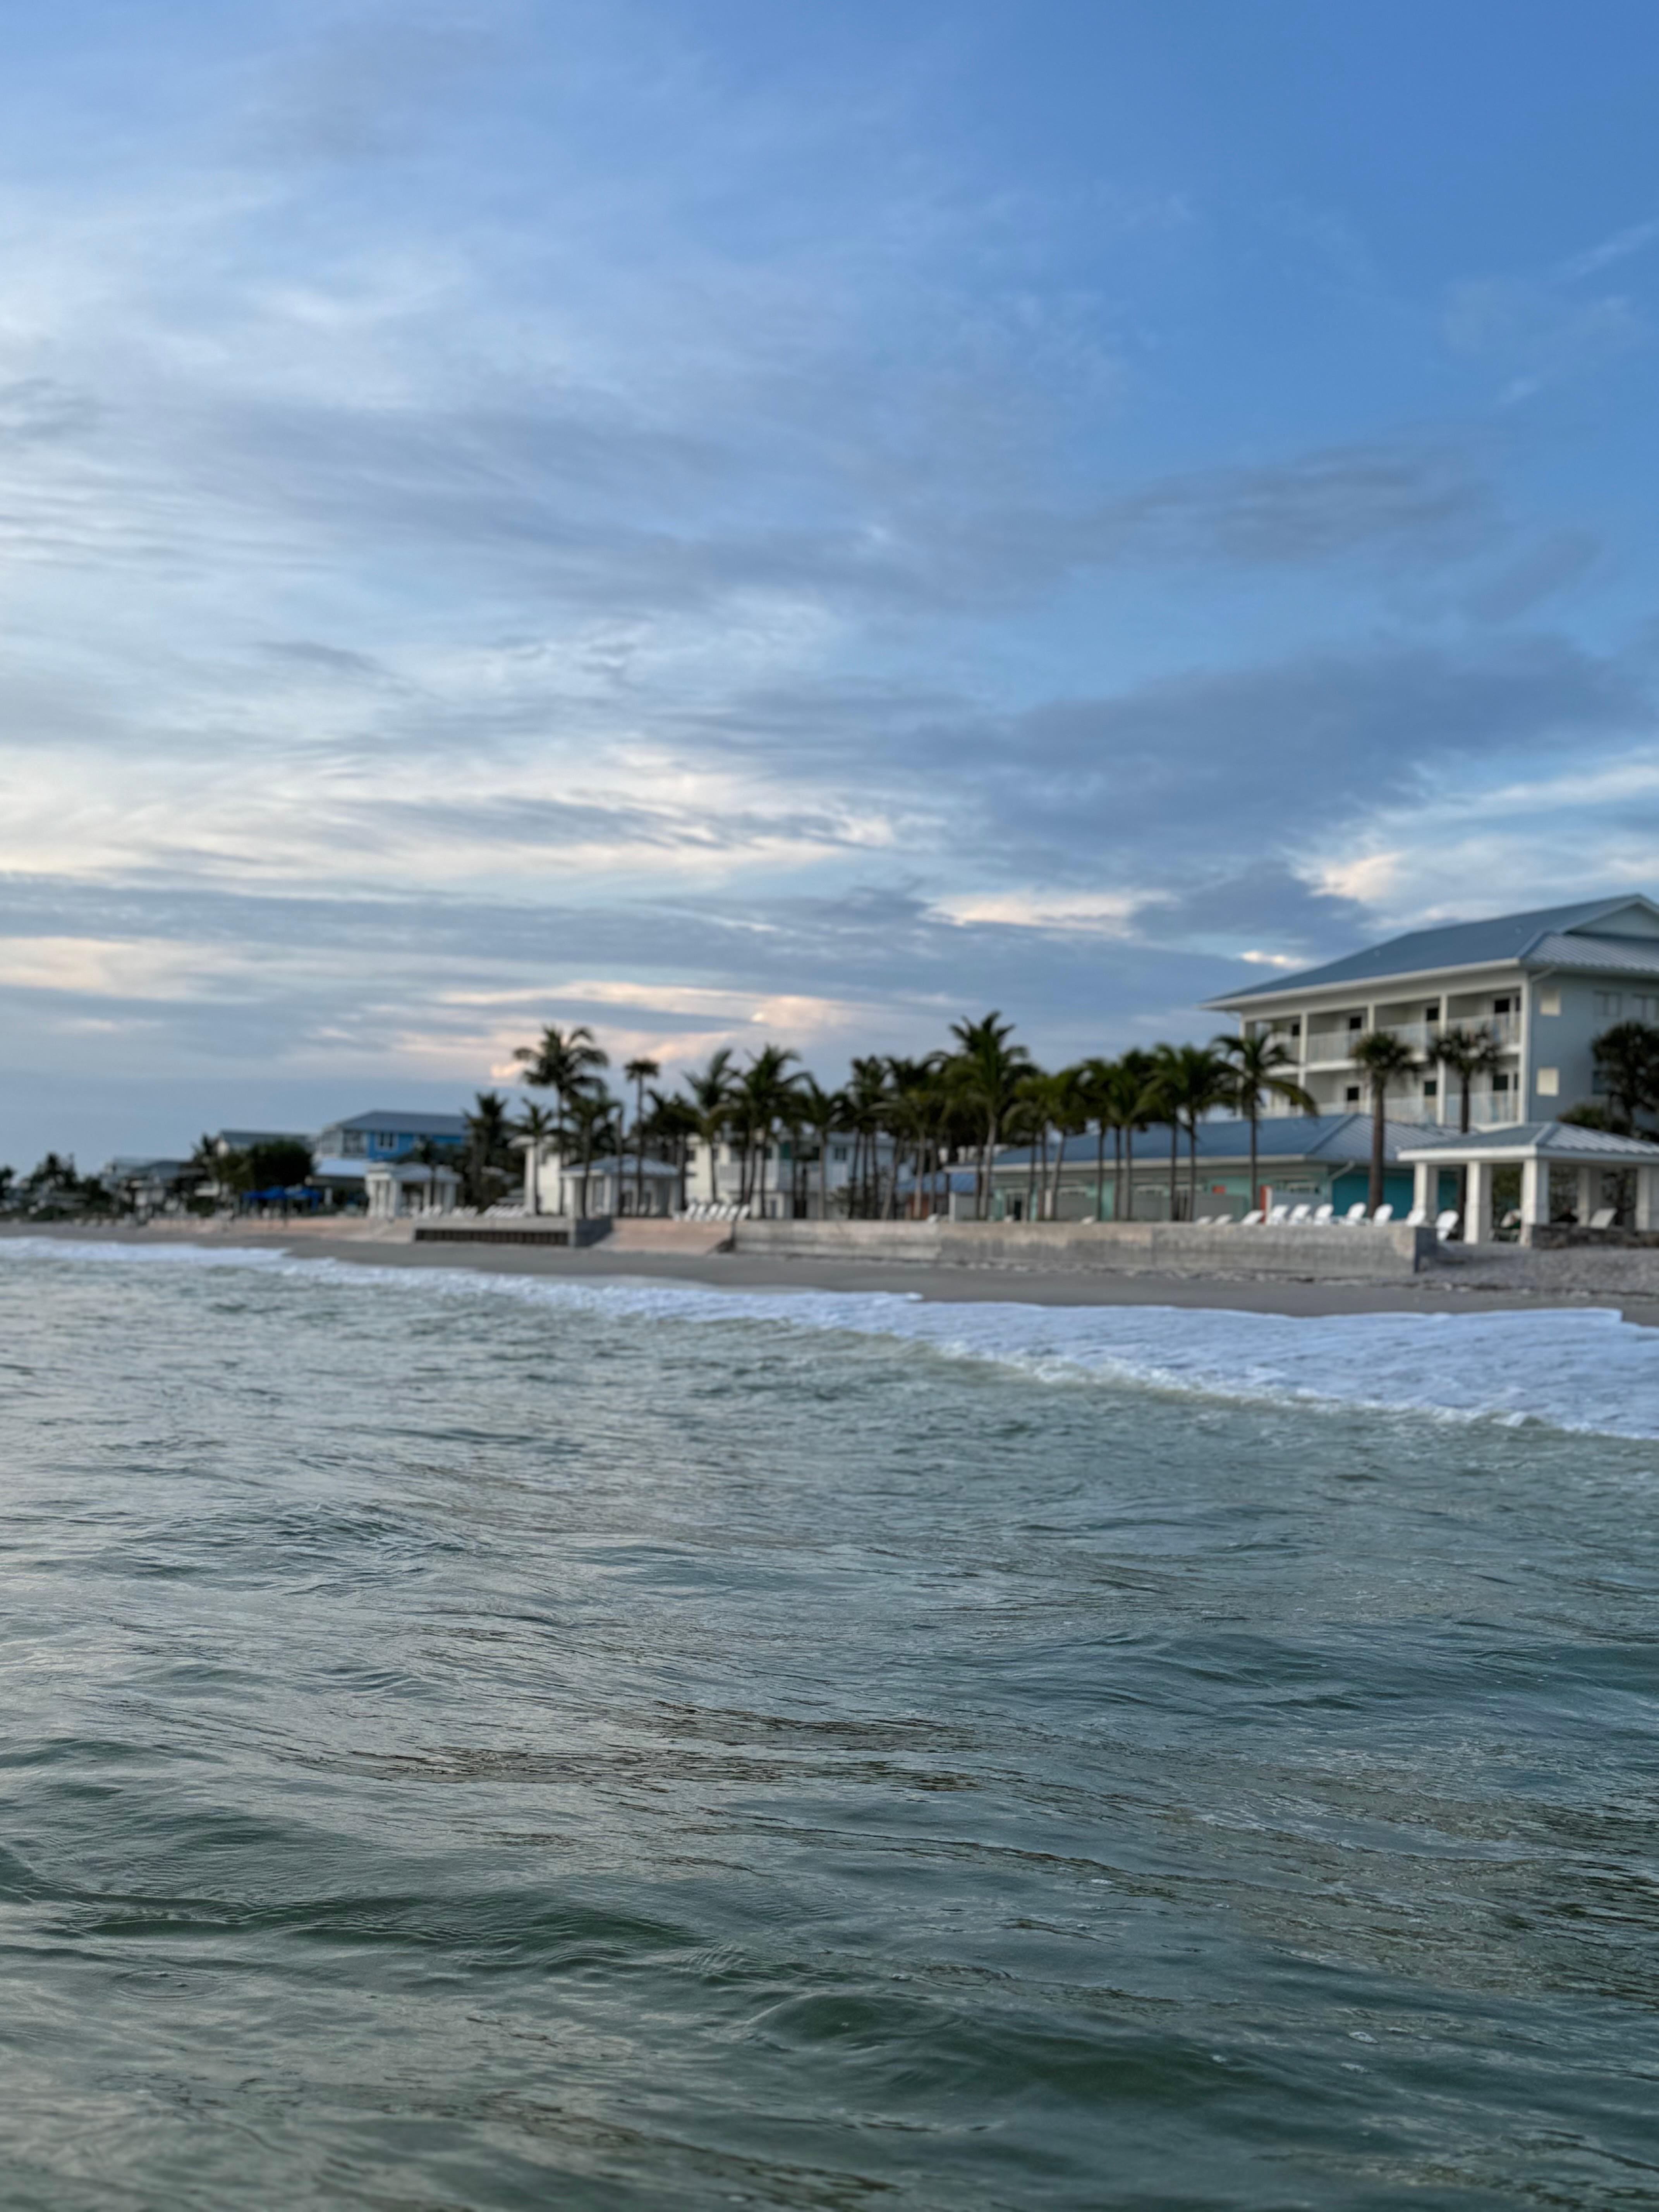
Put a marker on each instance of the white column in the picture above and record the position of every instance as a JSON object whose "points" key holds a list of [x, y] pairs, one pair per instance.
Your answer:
{"points": [[1425, 1185], [1647, 1198], [1535, 1192], [1586, 1204], [1477, 1225]]}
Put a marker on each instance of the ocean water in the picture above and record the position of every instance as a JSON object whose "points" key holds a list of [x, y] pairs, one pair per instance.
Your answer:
{"points": [[478, 1741]]}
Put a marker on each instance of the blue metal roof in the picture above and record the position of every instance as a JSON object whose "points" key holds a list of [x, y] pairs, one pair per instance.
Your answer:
{"points": [[399, 1120], [1332, 1138], [1501, 937]]}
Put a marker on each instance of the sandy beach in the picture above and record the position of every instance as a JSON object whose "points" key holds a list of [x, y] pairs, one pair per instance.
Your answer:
{"points": [[1507, 1281]]}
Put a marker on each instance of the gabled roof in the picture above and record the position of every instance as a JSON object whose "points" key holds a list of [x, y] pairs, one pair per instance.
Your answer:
{"points": [[1501, 938], [1334, 1139], [399, 1122], [1553, 1140]]}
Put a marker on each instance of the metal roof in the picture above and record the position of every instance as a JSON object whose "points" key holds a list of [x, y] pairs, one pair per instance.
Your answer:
{"points": [[400, 1123], [1553, 1140], [1501, 938], [1334, 1138], [1604, 956]]}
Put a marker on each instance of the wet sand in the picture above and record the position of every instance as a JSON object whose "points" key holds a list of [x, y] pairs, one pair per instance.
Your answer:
{"points": [[1430, 1293]]}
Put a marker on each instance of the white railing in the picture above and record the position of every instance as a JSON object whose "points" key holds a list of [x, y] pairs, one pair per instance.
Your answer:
{"points": [[1324, 1047]]}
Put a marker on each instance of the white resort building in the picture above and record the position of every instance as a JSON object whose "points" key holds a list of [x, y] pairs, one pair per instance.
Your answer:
{"points": [[1545, 985]]}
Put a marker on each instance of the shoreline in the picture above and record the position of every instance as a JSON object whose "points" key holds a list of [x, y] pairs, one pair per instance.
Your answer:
{"points": [[937, 1284]]}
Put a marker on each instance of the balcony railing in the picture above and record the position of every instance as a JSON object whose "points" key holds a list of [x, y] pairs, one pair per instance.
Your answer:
{"points": [[1424, 1037]]}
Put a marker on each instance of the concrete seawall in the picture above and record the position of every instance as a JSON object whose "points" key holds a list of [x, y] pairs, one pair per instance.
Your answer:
{"points": [[1163, 1248]]}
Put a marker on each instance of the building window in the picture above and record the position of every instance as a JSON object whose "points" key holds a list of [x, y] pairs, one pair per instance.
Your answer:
{"points": [[1500, 1083], [1500, 1005], [1431, 1013], [1549, 1083], [1549, 1002], [1644, 1008], [1431, 1086], [1353, 1094], [838, 1154], [351, 1143], [1356, 1022], [1609, 1005]]}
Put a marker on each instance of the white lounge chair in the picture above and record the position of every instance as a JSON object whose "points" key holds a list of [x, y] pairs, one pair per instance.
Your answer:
{"points": [[1418, 1217], [1355, 1214], [1605, 1219], [1299, 1215], [1383, 1214], [1252, 1219], [1446, 1222], [1279, 1217], [1323, 1215]]}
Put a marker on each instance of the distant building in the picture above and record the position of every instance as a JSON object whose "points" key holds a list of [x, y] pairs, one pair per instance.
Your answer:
{"points": [[1543, 984], [386, 1135], [244, 1140], [151, 1186]]}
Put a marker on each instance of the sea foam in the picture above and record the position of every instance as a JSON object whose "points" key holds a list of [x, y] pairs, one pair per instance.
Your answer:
{"points": [[1582, 1368]]}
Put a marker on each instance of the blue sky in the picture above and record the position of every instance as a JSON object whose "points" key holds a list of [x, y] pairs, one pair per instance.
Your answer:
{"points": [[725, 522]]}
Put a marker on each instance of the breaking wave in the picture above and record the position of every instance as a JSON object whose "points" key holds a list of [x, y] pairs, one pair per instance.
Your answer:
{"points": [[1583, 1370]]}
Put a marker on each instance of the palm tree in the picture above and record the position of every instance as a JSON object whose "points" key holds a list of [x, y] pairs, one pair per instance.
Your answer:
{"points": [[986, 1070], [912, 1106], [564, 1061], [639, 1072], [821, 1111], [488, 1160], [673, 1122], [710, 1100], [1138, 1107], [763, 1092], [591, 1113], [1467, 1054], [1627, 1066], [1385, 1058], [1163, 1096], [1256, 1073], [535, 1126], [1195, 1080]]}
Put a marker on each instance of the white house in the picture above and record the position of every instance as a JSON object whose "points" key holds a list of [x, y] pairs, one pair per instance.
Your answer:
{"points": [[1544, 984]]}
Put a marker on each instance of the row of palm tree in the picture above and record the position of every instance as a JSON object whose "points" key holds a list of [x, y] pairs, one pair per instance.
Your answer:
{"points": [[960, 1104]]}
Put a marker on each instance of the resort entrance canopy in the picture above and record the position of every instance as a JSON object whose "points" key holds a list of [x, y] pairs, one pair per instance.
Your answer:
{"points": [[1535, 1147]]}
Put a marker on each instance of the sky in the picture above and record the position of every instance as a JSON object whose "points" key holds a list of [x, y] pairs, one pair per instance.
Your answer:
{"points": [[726, 522]]}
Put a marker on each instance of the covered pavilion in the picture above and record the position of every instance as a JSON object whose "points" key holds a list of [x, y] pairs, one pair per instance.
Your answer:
{"points": [[1539, 1149]]}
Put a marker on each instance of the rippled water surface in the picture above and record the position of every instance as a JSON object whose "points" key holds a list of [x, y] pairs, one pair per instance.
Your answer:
{"points": [[483, 1747]]}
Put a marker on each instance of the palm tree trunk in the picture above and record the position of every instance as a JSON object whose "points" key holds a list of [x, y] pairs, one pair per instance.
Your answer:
{"points": [[1060, 1170], [1192, 1169], [1031, 1183], [1379, 1109], [1100, 1170], [1175, 1160], [1127, 1211]]}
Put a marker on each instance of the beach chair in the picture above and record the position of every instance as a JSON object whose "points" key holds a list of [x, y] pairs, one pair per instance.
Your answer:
{"points": [[1605, 1219], [1446, 1224], [1323, 1216], [1383, 1213], [1299, 1217], [1354, 1215], [1418, 1217], [1279, 1217], [1252, 1219]]}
